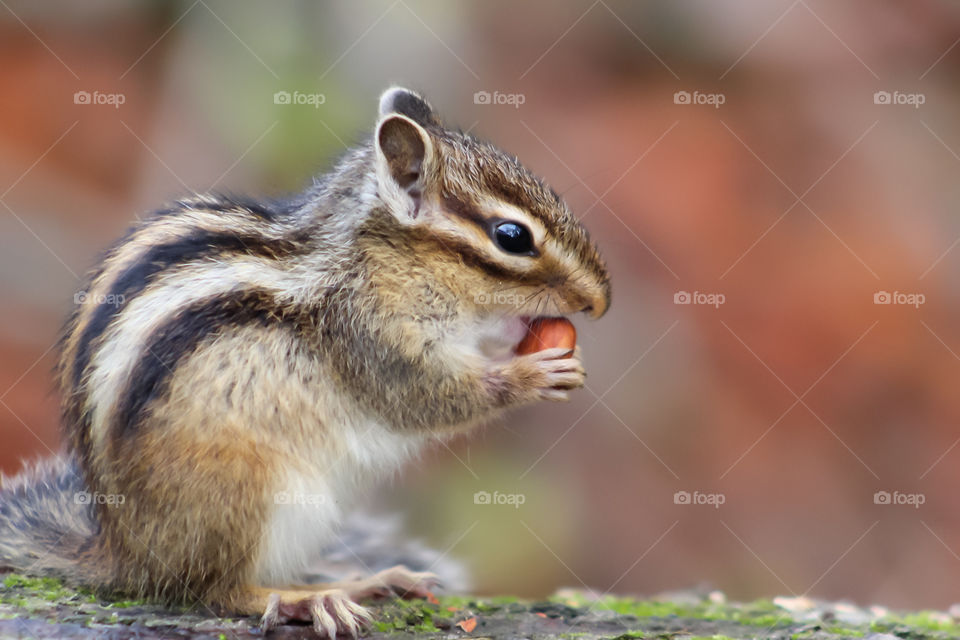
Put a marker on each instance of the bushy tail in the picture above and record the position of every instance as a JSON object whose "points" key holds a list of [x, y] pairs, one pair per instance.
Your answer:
{"points": [[47, 526]]}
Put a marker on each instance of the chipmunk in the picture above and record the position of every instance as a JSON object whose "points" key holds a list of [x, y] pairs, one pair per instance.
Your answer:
{"points": [[306, 348]]}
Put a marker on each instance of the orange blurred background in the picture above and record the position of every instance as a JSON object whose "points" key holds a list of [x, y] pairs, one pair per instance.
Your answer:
{"points": [[787, 162]]}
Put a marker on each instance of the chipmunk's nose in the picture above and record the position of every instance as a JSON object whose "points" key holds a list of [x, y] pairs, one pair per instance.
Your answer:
{"points": [[586, 295], [605, 300], [598, 301], [597, 308]]}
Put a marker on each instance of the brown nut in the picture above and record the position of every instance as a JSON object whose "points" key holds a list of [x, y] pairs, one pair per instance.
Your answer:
{"points": [[547, 333]]}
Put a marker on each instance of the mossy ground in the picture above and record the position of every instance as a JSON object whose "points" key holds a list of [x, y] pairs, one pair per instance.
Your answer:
{"points": [[44, 607]]}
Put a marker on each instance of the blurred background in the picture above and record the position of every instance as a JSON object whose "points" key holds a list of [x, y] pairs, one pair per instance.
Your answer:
{"points": [[772, 404]]}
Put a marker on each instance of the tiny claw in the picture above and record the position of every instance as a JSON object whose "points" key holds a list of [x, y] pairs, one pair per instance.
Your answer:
{"points": [[323, 622], [359, 619], [343, 615], [423, 584], [271, 613]]}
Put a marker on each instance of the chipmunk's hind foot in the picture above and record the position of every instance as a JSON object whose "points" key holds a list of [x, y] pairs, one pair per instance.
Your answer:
{"points": [[331, 611]]}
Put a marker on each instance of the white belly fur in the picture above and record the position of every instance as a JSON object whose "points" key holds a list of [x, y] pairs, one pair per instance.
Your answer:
{"points": [[308, 505]]}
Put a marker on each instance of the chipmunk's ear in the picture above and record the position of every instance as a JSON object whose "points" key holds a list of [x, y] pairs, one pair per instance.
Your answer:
{"points": [[404, 160], [408, 103]]}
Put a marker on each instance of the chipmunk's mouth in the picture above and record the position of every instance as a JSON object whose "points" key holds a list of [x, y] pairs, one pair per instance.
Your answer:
{"points": [[506, 337]]}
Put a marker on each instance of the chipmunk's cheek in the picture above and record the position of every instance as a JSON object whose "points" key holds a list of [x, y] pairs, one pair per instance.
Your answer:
{"points": [[497, 338]]}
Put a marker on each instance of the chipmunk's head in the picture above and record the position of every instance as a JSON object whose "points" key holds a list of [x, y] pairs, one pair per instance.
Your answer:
{"points": [[475, 221]]}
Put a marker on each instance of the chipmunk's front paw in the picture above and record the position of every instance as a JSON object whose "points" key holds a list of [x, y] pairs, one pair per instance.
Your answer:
{"points": [[543, 375], [331, 611]]}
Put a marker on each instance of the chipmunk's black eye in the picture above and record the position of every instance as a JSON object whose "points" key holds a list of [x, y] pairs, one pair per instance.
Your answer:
{"points": [[513, 238]]}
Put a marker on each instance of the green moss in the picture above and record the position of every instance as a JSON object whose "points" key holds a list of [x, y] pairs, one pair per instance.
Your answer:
{"points": [[407, 615], [14, 599], [125, 604], [762, 613], [931, 621], [423, 617], [907, 625], [844, 631], [642, 609], [479, 605], [19, 590], [49, 589]]}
